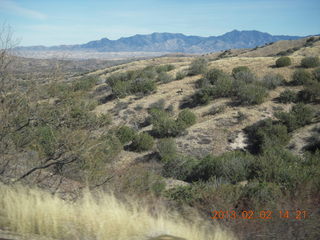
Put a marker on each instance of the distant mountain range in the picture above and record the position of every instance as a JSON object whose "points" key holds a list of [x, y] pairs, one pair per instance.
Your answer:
{"points": [[172, 42]]}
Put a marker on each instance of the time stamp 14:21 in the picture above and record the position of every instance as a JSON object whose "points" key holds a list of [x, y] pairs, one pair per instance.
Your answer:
{"points": [[264, 214]]}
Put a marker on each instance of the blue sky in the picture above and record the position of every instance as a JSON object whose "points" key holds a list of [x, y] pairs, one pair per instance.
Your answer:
{"points": [[40, 22]]}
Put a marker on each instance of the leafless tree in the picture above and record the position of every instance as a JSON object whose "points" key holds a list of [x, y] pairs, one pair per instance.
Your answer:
{"points": [[7, 44]]}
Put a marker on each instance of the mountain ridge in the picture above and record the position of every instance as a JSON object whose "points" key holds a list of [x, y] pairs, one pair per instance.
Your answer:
{"points": [[172, 42]]}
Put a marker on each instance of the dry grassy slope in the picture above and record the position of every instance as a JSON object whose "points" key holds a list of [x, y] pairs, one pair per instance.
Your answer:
{"points": [[211, 133], [275, 48]]}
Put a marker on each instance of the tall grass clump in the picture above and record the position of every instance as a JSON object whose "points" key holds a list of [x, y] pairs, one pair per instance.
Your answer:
{"points": [[103, 216]]}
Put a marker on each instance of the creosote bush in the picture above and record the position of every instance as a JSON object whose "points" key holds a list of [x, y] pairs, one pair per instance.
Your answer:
{"points": [[164, 77], [187, 117], [198, 66], [142, 142], [287, 96], [164, 68], [283, 62], [316, 74], [310, 62], [166, 126], [310, 93], [266, 134], [251, 94], [301, 77], [125, 134], [244, 77], [181, 75], [271, 80], [85, 83], [214, 74], [167, 149], [239, 69], [299, 116], [232, 166]]}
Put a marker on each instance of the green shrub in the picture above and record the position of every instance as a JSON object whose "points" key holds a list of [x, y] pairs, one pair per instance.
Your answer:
{"points": [[164, 126], [231, 166], [85, 83], [164, 68], [198, 66], [146, 73], [202, 83], [125, 134], [223, 87], [180, 167], [167, 128], [280, 166], [143, 86], [316, 74], [214, 74], [299, 116], [310, 62], [142, 142], [301, 77], [310, 93], [139, 180], [164, 77], [46, 140], [303, 113], [239, 69], [287, 119], [167, 149], [201, 97], [157, 114], [187, 117], [121, 89], [60, 90], [181, 75], [271, 80], [181, 194], [244, 77], [251, 94], [260, 195], [158, 105], [287, 96], [265, 133], [283, 62]]}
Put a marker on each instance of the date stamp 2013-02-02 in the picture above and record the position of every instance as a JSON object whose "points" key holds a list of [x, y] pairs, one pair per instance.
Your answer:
{"points": [[263, 214]]}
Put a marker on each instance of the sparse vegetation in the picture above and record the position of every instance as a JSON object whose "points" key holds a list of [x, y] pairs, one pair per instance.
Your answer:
{"points": [[60, 134], [85, 83]]}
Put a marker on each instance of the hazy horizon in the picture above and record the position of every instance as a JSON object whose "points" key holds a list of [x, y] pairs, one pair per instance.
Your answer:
{"points": [[46, 23]]}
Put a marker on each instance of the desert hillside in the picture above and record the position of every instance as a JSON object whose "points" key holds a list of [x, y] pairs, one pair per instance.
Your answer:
{"points": [[162, 146]]}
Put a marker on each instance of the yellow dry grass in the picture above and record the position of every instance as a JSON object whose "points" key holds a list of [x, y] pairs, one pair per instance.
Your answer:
{"points": [[33, 211]]}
